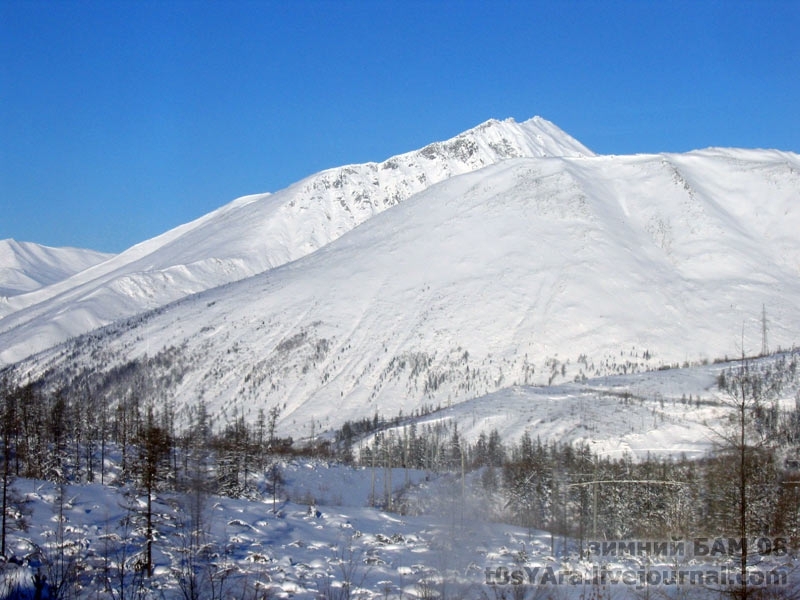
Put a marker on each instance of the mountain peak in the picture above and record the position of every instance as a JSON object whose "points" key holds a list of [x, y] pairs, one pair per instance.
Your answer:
{"points": [[491, 142], [533, 138]]}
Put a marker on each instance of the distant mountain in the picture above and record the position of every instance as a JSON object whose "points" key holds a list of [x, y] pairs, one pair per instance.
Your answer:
{"points": [[25, 266], [256, 233], [528, 271]]}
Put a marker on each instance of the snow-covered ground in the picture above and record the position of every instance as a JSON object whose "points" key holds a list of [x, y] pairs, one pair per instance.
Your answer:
{"points": [[668, 412], [325, 541], [327, 533]]}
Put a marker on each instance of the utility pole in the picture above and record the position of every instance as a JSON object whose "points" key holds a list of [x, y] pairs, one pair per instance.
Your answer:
{"points": [[764, 345]]}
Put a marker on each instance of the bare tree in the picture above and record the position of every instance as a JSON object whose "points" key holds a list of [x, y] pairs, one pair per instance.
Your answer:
{"points": [[154, 448], [746, 443]]}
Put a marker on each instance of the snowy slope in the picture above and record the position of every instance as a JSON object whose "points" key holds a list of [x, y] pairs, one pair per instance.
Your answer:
{"points": [[256, 233], [534, 270], [25, 266], [661, 413]]}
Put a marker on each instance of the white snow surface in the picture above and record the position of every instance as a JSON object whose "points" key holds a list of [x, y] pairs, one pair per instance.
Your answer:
{"points": [[667, 413], [256, 233], [529, 271], [25, 266], [313, 546]]}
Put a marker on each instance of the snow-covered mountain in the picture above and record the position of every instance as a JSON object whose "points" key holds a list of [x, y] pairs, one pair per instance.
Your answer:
{"points": [[256, 233], [531, 270], [25, 266]]}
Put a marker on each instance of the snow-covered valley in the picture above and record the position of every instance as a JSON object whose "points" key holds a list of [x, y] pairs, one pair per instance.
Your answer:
{"points": [[313, 527], [489, 325]]}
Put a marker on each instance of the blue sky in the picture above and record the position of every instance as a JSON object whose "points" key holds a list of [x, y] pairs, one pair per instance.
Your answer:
{"points": [[120, 120]]}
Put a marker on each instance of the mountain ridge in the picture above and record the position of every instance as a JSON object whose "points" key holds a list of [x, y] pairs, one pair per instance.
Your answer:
{"points": [[27, 266], [256, 233], [528, 271]]}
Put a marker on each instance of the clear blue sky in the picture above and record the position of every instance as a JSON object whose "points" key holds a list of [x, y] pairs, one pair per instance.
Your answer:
{"points": [[122, 119]]}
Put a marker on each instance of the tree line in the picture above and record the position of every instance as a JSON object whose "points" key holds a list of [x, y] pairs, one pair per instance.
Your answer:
{"points": [[749, 484]]}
